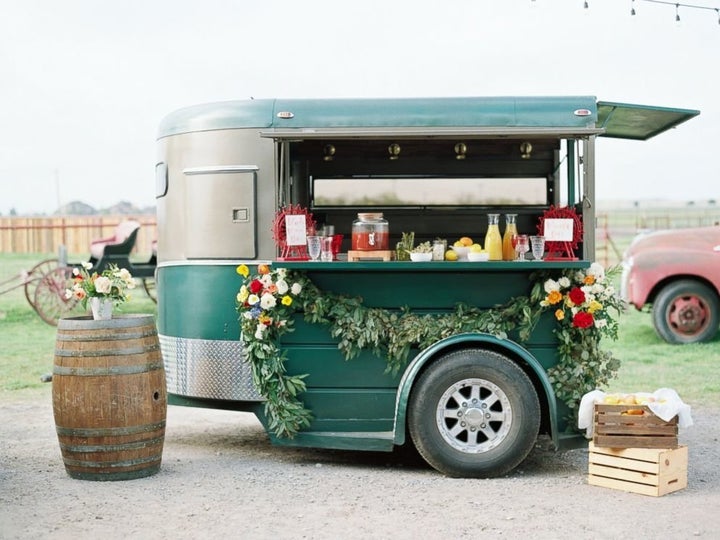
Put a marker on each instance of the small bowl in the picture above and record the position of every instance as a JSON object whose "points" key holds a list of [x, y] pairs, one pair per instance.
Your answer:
{"points": [[478, 256], [462, 252], [420, 257]]}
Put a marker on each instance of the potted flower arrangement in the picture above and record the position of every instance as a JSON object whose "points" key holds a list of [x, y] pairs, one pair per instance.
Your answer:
{"points": [[103, 291]]}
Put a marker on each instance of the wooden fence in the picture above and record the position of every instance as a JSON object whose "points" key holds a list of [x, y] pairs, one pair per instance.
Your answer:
{"points": [[47, 234]]}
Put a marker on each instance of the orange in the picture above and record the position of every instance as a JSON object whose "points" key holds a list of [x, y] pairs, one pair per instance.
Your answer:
{"points": [[466, 241]]}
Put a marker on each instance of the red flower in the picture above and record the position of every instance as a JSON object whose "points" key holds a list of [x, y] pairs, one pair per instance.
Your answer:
{"points": [[583, 319], [255, 286], [577, 296]]}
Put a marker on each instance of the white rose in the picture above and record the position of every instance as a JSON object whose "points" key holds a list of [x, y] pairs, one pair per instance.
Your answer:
{"points": [[103, 285], [267, 301], [282, 286], [296, 288], [260, 331], [551, 285], [564, 282]]}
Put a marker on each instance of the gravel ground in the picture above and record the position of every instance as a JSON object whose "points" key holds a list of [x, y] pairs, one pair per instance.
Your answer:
{"points": [[220, 477]]}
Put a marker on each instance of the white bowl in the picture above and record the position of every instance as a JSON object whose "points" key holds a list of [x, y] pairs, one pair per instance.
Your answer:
{"points": [[462, 252], [478, 256], [420, 257]]}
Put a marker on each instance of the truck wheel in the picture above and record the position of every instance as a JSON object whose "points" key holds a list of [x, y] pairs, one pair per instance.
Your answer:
{"points": [[474, 413], [686, 311]]}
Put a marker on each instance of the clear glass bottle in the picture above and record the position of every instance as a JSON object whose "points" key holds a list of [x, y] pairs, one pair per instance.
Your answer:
{"points": [[493, 240], [370, 232], [510, 230]]}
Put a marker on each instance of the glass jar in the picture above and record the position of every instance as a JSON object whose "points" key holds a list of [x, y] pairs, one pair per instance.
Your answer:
{"points": [[493, 240], [510, 231], [370, 232]]}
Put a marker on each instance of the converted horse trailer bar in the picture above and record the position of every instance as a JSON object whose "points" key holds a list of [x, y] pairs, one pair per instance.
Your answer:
{"points": [[472, 402]]}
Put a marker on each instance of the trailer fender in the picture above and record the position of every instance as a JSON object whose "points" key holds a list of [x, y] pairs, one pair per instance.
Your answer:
{"points": [[509, 347]]}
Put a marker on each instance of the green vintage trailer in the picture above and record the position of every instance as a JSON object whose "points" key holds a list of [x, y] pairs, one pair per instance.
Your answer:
{"points": [[472, 403]]}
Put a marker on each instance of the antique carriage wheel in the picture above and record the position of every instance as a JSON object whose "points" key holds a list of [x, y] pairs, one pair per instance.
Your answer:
{"points": [[150, 288], [49, 298], [35, 275]]}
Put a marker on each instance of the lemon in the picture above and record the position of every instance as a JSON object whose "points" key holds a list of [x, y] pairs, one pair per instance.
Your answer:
{"points": [[476, 248], [450, 255], [458, 243]]}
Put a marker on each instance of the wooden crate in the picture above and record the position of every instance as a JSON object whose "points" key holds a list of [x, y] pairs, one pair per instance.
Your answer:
{"points": [[614, 428], [648, 471], [378, 255]]}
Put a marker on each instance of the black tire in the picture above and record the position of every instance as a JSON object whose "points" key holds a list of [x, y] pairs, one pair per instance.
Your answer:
{"points": [[686, 311], [449, 409]]}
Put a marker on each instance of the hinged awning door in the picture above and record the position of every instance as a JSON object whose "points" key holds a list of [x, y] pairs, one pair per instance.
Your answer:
{"points": [[639, 122]]}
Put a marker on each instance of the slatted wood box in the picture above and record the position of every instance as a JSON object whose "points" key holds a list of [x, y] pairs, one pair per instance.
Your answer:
{"points": [[377, 255], [615, 428], [648, 471]]}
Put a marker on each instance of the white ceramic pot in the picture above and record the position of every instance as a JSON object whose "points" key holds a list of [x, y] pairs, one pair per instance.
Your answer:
{"points": [[101, 308]]}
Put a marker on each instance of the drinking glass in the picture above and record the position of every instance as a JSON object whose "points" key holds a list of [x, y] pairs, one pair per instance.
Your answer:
{"points": [[314, 247], [326, 252], [513, 241], [522, 246], [537, 244]]}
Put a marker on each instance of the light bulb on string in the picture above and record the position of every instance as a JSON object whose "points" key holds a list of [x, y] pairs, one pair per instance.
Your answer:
{"points": [[677, 13], [632, 7], [585, 5]]}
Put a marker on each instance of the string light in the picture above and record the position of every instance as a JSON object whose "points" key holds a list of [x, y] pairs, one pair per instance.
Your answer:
{"points": [[677, 6]]}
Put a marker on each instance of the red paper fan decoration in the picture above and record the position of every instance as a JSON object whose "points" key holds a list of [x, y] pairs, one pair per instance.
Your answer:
{"points": [[279, 231], [562, 250]]}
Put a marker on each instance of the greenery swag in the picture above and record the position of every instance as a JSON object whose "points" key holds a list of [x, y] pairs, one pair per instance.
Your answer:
{"points": [[582, 302]]}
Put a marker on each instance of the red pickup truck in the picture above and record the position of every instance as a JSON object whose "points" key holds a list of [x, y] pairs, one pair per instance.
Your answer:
{"points": [[678, 273]]}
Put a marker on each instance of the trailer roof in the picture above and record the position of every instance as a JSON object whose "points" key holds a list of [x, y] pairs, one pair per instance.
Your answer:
{"points": [[563, 116]]}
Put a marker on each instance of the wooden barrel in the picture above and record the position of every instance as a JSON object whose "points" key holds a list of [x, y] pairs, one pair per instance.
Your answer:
{"points": [[109, 397]]}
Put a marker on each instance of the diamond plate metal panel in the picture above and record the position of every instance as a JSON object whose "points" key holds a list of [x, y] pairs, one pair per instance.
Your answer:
{"points": [[207, 369]]}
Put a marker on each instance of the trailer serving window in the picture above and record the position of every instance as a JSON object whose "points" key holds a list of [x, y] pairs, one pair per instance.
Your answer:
{"points": [[381, 192]]}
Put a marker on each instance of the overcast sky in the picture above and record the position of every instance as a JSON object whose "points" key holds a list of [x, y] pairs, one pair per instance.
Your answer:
{"points": [[85, 83]]}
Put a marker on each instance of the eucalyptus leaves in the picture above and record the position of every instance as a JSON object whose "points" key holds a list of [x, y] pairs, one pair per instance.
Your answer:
{"points": [[266, 303]]}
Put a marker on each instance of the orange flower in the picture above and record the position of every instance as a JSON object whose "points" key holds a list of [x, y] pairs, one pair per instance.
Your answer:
{"points": [[553, 297], [263, 269], [589, 280], [559, 314]]}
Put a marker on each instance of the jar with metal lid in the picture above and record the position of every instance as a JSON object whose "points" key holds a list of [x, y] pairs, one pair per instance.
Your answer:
{"points": [[370, 232]]}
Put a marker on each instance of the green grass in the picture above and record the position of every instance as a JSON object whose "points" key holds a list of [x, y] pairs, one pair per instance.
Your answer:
{"points": [[28, 343], [648, 363]]}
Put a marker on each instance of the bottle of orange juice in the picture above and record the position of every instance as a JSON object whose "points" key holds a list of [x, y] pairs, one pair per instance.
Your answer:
{"points": [[493, 240], [510, 229]]}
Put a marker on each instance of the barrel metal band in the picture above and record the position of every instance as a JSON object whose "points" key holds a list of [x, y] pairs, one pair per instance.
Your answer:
{"points": [[110, 431], [111, 464], [94, 336], [136, 445], [107, 370], [129, 351]]}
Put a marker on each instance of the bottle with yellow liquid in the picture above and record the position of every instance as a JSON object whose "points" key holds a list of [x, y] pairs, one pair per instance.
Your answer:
{"points": [[510, 229], [493, 240]]}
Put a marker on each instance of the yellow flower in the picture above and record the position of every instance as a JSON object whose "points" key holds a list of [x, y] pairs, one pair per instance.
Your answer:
{"points": [[553, 297], [559, 314], [286, 300], [243, 270], [243, 294], [594, 306]]}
